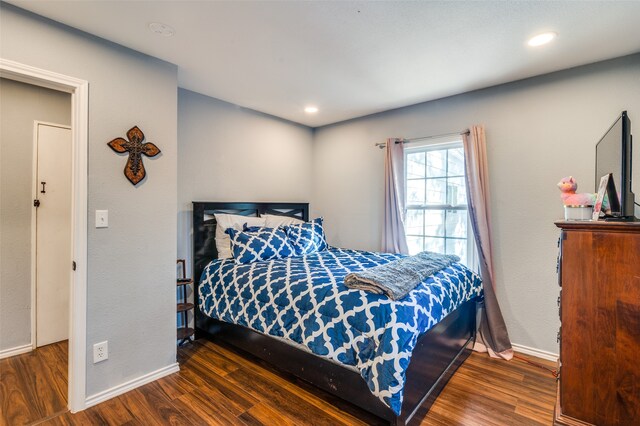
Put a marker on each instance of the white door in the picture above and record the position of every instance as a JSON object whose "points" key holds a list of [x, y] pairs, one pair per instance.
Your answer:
{"points": [[53, 233]]}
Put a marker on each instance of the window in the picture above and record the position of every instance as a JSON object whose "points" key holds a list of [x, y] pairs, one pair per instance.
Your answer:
{"points": [[436, 200]]}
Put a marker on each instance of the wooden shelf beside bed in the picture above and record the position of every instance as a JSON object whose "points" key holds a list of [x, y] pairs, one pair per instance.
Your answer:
{"points": [[184, 307], [185, 333]]}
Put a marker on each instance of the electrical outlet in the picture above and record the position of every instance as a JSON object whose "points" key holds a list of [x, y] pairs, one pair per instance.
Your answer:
{"points": [[100, 352]]}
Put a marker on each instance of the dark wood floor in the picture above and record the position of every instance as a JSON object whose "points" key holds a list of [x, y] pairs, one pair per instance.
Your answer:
{"points": [[33, 386], [220, 386]]}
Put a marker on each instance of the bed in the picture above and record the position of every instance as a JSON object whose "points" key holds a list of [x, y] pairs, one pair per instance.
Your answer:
{"points": [[434, 356]]}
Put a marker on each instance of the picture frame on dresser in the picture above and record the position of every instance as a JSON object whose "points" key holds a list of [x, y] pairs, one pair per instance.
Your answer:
{"points": [[606, 190]]}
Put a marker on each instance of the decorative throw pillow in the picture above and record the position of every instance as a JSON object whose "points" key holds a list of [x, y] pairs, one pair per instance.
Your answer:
{"points": [[235, 221], [307, 238], [274, 221], [255, 244]]}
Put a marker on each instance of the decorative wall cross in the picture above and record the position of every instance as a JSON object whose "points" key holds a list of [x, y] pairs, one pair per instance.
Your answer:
{"points": [[134, 169]]}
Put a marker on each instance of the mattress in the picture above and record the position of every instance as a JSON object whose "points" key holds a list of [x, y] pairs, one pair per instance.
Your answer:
{"points": [[303, 300]]}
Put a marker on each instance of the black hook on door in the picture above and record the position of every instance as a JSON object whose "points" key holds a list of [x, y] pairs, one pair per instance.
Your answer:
{"points": [[43, 184]]}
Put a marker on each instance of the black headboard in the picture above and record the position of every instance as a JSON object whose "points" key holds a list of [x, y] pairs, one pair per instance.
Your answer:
{"points": [[204, 227], [204, 224]]}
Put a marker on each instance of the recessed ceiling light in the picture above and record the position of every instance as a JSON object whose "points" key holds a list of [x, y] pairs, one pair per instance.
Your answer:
{"points": [[541, 39], [162, 29], [311, 109]]}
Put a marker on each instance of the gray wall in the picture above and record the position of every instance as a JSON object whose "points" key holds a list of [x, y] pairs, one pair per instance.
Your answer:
{"points": [[20, 105], [229, 153], [131, 270], [538, 130]]}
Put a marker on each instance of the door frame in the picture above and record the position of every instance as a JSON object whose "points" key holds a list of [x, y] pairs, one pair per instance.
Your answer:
{"points": [[34, 232], [79, 90]]}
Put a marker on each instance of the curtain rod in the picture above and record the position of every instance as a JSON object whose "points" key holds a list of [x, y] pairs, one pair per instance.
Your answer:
{"points": [[422, 138]]}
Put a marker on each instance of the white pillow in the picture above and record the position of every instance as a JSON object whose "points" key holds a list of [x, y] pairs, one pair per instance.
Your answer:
{"points": [[273, 220], [235, 221]]}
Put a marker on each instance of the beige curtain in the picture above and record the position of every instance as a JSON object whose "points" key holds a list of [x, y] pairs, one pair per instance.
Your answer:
{"points": [[393, 237], [493, 336]]}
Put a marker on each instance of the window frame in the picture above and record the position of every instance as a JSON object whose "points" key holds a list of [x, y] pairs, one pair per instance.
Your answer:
{"points": [[438, 144]]}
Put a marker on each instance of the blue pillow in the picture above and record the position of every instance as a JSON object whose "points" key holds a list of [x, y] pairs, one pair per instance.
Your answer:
{"points": [[256, 243], [307, 238]]}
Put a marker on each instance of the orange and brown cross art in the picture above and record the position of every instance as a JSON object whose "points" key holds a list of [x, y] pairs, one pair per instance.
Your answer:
{"points": [[134, 170]]}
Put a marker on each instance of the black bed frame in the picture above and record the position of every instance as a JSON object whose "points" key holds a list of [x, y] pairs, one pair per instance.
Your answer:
{"points": [[437, 355]]}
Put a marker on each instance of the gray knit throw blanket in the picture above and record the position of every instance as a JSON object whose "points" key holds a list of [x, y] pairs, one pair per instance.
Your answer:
{"points": [[396, 279]]}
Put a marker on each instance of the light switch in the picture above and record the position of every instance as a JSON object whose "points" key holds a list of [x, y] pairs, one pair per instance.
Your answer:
{"points": [[102, 218]]}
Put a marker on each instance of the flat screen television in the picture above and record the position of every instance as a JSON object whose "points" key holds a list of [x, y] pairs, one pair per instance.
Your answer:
{"points": [[613, 155]]}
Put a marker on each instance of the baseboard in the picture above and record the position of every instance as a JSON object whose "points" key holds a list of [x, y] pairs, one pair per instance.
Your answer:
{"points": [[130, 385], [549, 356], [6, 353]]}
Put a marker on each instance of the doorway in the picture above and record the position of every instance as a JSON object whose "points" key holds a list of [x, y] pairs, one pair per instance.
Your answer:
{"points": [[79, 91], [35, 250], [53, 255]]}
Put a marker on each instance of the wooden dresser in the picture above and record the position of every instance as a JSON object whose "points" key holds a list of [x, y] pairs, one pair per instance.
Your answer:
{"points": [[599, 275]]}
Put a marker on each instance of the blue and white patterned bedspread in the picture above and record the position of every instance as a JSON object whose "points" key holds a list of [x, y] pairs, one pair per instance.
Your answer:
{"points": [[304, 299]]}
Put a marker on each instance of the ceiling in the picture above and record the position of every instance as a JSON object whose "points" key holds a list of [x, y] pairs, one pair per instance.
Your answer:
{"points": [[354, 58]]}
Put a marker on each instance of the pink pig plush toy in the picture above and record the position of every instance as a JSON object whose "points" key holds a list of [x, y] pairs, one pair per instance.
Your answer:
{"points": [[568, 187]]}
